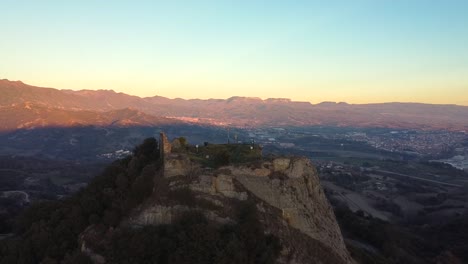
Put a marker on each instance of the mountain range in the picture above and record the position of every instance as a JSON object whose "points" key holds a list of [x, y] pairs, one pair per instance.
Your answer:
{"points": [[27, 106]]}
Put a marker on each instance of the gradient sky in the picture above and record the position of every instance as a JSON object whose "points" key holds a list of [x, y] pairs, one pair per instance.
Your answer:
{"points": [[358, 51]]}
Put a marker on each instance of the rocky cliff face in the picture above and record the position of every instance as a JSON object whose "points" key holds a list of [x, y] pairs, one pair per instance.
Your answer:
{"points": [[294, 188], [287, 194]]}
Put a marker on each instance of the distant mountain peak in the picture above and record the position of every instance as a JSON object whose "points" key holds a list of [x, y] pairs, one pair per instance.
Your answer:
{"points": [[12, 82], [278, 100], [327, 103], [243, 99]]}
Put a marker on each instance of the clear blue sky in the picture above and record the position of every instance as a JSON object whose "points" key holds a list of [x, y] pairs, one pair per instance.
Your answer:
{"points": [[357, 51]]}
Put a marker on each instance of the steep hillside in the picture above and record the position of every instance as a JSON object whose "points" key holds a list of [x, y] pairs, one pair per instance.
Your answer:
{"points": [[29, 115], [16, 92]]}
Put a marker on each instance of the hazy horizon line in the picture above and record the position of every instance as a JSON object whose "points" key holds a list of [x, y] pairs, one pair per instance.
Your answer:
{"points": [[239, 96]]}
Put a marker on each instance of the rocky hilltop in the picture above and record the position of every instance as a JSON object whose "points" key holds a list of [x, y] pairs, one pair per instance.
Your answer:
{"points": [[286, 192], [178, 203]]}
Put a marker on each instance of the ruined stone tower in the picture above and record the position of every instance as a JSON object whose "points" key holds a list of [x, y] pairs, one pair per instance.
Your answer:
{"points": [[164, 145]]}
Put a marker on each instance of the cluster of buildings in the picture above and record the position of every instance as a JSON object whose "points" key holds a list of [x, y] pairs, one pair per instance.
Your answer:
{"points": [[118, 154], [412, 142]]}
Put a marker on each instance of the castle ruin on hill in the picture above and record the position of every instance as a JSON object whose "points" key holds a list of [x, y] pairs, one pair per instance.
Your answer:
{"points": [[286, 191]]}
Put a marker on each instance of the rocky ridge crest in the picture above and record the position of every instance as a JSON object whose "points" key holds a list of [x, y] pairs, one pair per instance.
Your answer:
{"points": [[286, 191]]}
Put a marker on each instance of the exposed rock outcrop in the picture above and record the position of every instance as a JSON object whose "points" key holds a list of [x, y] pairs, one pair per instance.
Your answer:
{"points": [[286, 192], [177, 165], [301, 200], [288, 195]]}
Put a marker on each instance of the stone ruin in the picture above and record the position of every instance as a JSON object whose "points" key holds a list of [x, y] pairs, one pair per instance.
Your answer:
{"points": [[164, 145]]}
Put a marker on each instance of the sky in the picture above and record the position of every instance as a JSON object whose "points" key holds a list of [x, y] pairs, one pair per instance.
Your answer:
{"points": [[359, 51]]}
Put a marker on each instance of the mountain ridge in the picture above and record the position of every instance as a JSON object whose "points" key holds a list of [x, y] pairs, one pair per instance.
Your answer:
{"points": [[231, 98], [247, 111]]}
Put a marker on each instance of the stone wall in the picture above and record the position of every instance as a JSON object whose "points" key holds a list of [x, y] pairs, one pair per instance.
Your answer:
{"points": [[164, 145]]}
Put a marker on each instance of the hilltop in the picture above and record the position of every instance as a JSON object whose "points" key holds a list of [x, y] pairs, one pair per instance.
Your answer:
{"points": [[177, 203]]}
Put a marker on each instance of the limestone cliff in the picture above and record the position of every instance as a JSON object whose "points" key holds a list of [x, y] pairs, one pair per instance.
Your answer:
{"points": [[286, 191]]}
